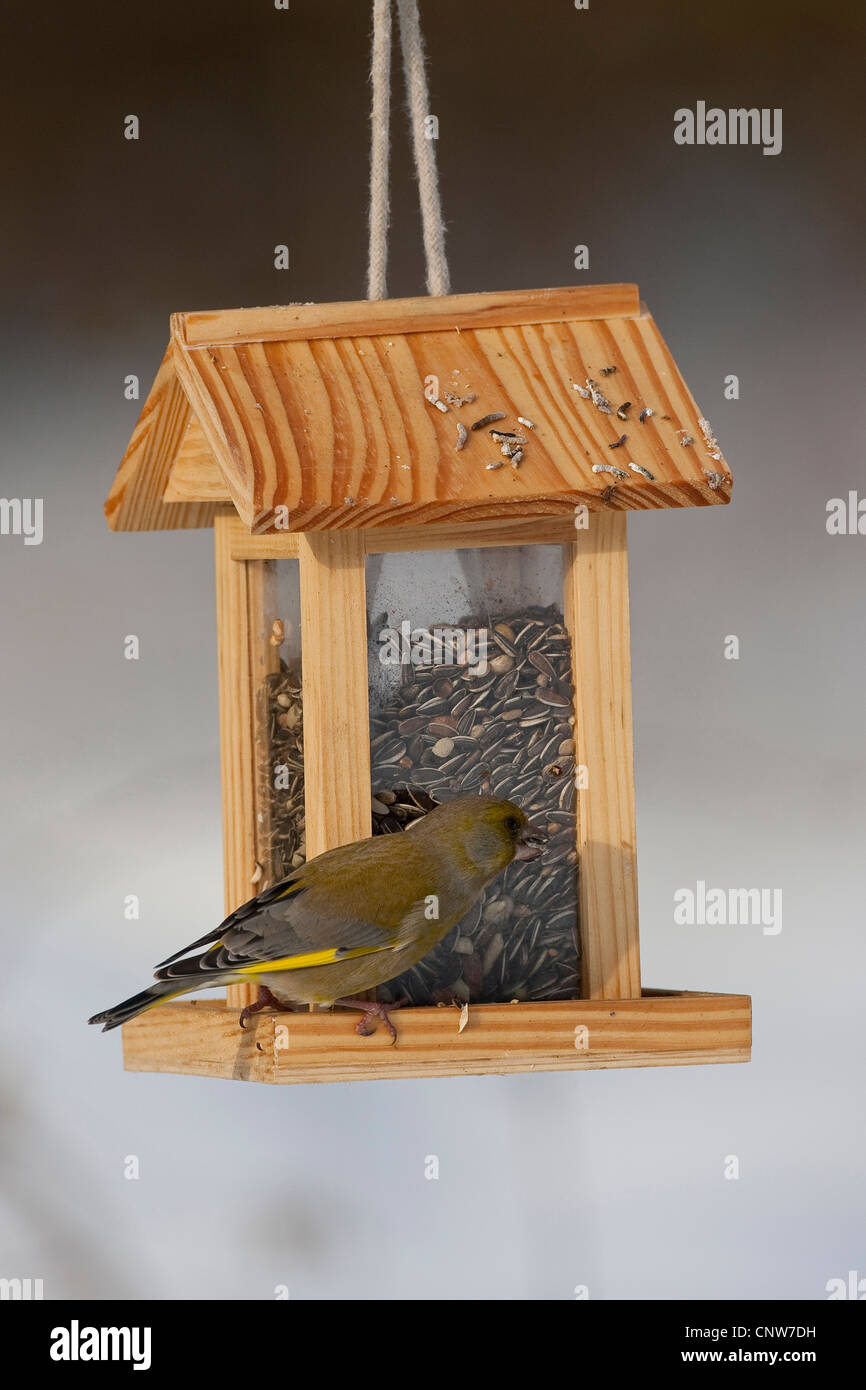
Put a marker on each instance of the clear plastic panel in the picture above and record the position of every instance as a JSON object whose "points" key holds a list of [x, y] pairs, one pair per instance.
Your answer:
{"points": [[471, 691], [280, 836]]}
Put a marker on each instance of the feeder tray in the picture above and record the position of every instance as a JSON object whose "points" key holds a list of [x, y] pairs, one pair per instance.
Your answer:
{"points": [[309, 437]]}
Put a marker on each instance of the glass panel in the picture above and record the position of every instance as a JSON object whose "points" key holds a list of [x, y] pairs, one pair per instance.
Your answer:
{"points": [[471, 691], [280, 726]]}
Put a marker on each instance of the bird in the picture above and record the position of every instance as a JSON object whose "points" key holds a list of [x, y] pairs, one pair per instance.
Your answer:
{"points": [[352, 918]]}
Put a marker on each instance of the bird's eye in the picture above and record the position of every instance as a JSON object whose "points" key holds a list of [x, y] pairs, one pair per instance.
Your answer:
{"points": [[512, 825]]}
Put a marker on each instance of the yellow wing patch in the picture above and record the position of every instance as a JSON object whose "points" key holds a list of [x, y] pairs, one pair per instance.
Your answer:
{"points": [[292, 888], [312, 958]]}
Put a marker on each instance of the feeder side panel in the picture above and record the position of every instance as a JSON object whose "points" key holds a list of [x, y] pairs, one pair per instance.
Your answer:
{"points": [[597, 616]]}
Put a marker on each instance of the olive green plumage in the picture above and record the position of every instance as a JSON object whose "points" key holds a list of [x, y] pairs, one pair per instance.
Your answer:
{"points": [[354, 917]]}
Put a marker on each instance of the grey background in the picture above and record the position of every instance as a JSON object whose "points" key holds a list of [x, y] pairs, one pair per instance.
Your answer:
{"points": [[556, 128]]}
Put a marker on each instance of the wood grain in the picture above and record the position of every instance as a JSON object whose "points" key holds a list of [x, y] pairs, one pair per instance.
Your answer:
{"points": [[597, 616], [281, 545], [135, 502], [337, 778], [283, 323], [336, 701], [202, 1040], [195, 475], [320, 409], [338, 432], [659, 1030]]}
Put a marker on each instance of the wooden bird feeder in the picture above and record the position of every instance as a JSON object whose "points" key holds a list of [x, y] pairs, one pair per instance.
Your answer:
{"points": [[320, 442]]}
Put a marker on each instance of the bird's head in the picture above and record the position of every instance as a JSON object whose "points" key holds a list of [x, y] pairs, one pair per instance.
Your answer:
{"points": [[486, 832]]}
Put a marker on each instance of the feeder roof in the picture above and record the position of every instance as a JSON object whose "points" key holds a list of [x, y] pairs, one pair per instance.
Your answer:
{"points": [[317, 416]]}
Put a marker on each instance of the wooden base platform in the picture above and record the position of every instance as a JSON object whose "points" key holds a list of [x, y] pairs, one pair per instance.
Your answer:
{"points": [[659, 1029]]}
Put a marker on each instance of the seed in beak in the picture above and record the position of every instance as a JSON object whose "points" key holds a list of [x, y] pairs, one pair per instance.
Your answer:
{"points": [[530, 843]]}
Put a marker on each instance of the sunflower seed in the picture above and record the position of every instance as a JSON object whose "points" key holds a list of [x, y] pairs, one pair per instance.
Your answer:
{"points": [[541, 663], [553, 697]]}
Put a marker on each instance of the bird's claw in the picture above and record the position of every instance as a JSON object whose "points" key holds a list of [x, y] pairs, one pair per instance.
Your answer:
{"points": [[371, 1012], [266, 1000], [366, 1025]]}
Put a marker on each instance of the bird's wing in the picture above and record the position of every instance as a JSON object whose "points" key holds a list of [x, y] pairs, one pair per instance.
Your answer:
{"points": [[293, 884], [303, 922]]}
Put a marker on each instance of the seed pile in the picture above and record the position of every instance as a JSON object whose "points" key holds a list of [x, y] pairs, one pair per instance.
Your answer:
{"points": [[282, 834], [508, 732]]}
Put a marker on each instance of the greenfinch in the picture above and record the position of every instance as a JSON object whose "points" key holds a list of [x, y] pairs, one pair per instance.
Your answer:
{"points": [[352, 918]]}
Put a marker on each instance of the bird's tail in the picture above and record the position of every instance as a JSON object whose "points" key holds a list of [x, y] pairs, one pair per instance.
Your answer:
{"points": [[138, 1003]]}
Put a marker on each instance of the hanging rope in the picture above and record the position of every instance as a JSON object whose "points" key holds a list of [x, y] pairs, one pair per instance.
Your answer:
{"points": [[438, 281], [380, 150], [433, 227]]}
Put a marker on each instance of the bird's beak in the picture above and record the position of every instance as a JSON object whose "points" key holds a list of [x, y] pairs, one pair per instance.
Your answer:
{"points": [[530, 842]]}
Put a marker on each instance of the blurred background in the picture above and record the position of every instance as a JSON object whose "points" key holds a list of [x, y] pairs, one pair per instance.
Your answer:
{"points": [[556, 129]]}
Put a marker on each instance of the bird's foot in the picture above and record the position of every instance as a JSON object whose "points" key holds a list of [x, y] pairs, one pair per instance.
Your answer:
{"points": [[266, 1000], [372, 1011]]}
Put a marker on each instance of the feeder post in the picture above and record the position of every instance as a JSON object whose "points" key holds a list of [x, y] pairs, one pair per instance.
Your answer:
{"points": [[244, 591], [597, 617], [336, 700]]}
